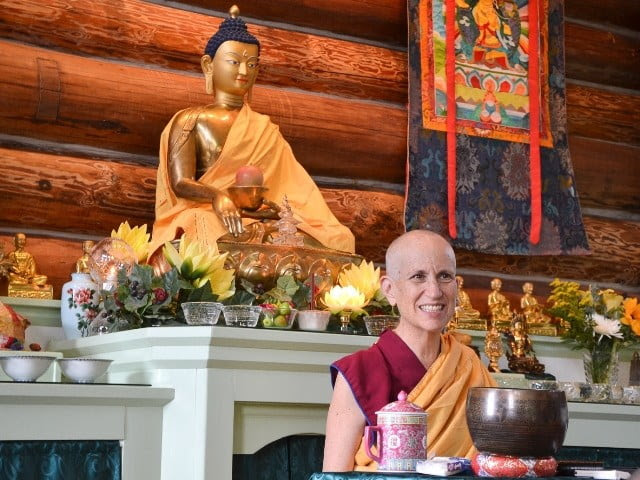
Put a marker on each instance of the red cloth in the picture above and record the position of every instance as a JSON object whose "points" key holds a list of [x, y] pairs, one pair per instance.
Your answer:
{"points": [[376, 375]]}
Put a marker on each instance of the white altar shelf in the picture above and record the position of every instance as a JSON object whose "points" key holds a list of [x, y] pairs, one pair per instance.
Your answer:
{"points": [[238, 389], [130, 414]]}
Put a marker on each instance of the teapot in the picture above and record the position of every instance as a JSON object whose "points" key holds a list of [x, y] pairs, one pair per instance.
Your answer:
{"points": [[401, 436]]}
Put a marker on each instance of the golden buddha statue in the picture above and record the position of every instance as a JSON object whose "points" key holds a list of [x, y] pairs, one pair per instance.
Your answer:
{"points": [[203, 148], [499, 307], [522, 359], [466, 316], [537, 323], [24, 280], [82, 264], [493, 348]]}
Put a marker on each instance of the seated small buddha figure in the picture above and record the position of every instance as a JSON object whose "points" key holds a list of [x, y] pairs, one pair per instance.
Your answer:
{"points": [[537, 322], [522, 359], [202, 149], [466, 316], [82, 264], [24, 280], [499, 306]]}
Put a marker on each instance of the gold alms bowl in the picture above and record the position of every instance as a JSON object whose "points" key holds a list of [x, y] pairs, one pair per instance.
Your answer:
{"points": [[247, 197]]}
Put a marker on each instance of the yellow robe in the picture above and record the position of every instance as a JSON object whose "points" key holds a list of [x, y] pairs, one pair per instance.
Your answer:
{"points": [[253, 140], [442, 392]]}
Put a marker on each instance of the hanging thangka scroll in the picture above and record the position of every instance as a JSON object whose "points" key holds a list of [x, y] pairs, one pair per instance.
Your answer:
{"points": [[489, 163]]}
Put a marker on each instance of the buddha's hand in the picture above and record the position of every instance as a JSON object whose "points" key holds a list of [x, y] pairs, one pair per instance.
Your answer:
{"points": [[228, 213], [268, 211]]}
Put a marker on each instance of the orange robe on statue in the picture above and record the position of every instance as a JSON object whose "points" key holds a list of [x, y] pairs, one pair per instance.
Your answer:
{"points": [[442, 392], [253, 140]]}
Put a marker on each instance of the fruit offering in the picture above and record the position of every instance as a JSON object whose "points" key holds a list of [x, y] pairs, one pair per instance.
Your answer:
{"points": [[278, 315]]}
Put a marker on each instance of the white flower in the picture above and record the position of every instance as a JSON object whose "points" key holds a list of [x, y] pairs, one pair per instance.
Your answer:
{"points": [[604, 326], [344, 298]]}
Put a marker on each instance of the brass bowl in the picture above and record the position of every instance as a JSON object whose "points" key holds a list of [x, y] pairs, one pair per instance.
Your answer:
{"points": [[247, 197], [517, 422]]}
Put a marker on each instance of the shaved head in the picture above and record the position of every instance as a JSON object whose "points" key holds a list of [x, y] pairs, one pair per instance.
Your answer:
{"points": [[410, 242]]}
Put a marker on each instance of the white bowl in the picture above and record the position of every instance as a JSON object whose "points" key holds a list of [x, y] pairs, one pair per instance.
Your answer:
{"points": [[83, 370], [313, 320], [25, 368]]}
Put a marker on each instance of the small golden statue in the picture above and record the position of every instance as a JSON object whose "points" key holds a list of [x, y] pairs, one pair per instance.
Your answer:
{"points": [[466, 316], [522, 358], [537, 323], [493, 348], [24, 280], [82, 264], [499, 307]]}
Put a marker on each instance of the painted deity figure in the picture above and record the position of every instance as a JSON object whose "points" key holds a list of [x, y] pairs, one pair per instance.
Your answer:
{"points": [[202, 148], [499, 306]]}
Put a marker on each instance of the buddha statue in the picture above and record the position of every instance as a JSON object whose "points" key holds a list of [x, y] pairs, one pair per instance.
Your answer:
{"points": [[24, 280], [82, 264], [466, 316], [499, 307], [493, 348], [522, 359], [537, 323], [202, 149]]}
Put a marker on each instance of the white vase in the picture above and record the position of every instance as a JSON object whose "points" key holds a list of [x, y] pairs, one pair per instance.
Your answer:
{"points": [[79, 302]]}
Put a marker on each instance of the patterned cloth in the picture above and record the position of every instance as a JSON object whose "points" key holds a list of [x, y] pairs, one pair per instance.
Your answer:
{"points": [[492, 183]]}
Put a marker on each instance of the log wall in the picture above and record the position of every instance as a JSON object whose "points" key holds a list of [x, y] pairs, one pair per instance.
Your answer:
{"points": [[87, 87]]}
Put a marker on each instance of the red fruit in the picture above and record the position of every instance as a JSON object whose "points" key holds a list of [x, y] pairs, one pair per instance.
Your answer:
{"points": [[249, 176], [35, 347]]}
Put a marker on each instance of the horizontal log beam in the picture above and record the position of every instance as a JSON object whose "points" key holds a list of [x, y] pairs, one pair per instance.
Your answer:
{"points": [[67, 194], [174, 39], [156, 35], [51, 96]]}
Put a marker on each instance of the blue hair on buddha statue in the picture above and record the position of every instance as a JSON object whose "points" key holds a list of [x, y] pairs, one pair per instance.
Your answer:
{"points": [[232, 28]]}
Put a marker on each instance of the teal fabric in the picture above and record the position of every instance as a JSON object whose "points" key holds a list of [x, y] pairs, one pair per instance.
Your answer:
{"points": [[61, 460]]}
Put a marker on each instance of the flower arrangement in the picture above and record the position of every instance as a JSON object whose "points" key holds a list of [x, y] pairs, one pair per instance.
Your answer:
{"points": [[143, 297], [600, 321]]}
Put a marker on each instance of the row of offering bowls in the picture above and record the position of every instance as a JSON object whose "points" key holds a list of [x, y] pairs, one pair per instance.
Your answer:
{"points": [[27, 368], [208, 313]]}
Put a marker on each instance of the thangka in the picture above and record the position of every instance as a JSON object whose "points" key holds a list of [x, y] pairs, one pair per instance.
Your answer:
{"points": [[495, 176]]}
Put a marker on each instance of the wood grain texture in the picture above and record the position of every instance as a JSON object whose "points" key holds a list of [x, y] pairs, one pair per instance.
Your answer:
{"points": [[124, 108], [172, 38], [144, 33], [82, 196], [607, 174]]}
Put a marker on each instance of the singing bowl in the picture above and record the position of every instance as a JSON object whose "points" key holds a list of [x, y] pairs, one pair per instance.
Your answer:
{"points": [[517, 422]]}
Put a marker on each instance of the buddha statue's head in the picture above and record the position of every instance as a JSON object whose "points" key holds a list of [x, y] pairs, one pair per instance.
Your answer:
{"points": [[20, 240], [230, 62]]}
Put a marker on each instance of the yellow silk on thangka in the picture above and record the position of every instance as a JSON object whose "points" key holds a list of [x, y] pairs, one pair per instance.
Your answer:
{"points": [[442, 392], [252, 140]]}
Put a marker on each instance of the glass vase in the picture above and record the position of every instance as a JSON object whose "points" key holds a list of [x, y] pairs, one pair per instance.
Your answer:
{"points": [[601, 366]]}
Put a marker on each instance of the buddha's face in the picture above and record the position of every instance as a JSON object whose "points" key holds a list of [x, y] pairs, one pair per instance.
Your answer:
{"points": [[235, 67], [19, 240]]}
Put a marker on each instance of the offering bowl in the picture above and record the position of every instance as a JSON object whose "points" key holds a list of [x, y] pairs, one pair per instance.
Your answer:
{"points": [[83, 370], [25, 368], [248, 197], [517, 422]]}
